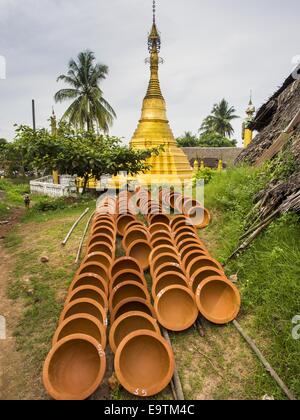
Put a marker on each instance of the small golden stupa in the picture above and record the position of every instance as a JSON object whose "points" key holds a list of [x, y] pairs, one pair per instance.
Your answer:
{"points": [[171, 167]]}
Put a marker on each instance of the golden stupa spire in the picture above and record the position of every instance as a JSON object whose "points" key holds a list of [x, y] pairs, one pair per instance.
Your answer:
{"points": [[153, 130]]}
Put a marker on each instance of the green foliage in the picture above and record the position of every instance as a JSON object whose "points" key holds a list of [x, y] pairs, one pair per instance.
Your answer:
{"points": [[206, 174], [283, 165], [89, 109], [207, 139], [13, 192], [268, 271], [220, 120]]}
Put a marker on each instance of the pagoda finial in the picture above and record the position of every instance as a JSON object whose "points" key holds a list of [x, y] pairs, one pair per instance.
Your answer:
{"points": [[154, 11]]}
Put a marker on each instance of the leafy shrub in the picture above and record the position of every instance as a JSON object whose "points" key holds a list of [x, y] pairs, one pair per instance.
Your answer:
{"points": [[206, 174]]}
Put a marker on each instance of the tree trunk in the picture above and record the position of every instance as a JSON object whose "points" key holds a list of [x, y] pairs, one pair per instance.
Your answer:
{"points": [[85, 182]]}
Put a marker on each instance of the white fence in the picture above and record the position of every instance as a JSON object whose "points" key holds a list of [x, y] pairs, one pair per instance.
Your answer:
{"points": [[45, 186]]}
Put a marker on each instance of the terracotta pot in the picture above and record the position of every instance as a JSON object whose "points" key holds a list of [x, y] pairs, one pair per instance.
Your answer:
{"points": [[176, 308], [123, 221], [200, 217], [170, 258], [178, 203], [128, 289], [136, 224], [140, 250], [84, 306], [89, 279], [88, 292], [189, 230], [103, 231], [101, 238], [132, 304], [190, 256], [169, 278], [200, 262], [134, 234], [159, 227], [144, 363], [190, 241], [81, 324], [166, 267], [161, 235], [161, 242], [185, 235], [105, 224], [101, 217], [173, 198], [163, 249], [190, 203], [176, 219], [218, 300], [159, 218], [74, 368], [98, 257], [124, 263], [181, 225], [192, 247], [129, 323], [127, 275], [203, 274], [93, 267], [102, 247]]}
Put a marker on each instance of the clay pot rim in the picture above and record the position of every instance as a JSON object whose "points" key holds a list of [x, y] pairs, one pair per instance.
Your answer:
{"points": [[171, 266], [138, 273], [121, 259], [83, 266], [188, 241], [209, 317], [90, 391], [103, 217], [89, 317], [161, 276], [121, 318], [106, 221], [161, 234], [104, 244], [195, 252], [171, 248], [102, 230], [125, 284], [204, 224], [196, 246], [178, 238], [92, 254], [103, 236], [219, 273], [165, 324], [136, 223], [131, 300], [154, 389], [193, 201], [154, 269], [106, 226], [177, 218], [134, 229], [188, 270], [120, 217], [83, 300], [151, 217], [87, 287], [162, 239], [139, 242], [168, 230], [176, 230], [93, 275]]}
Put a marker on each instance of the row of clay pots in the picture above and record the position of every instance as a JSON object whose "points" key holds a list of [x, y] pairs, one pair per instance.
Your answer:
{"points": [[173, 300], [144, 361], [217, 298], [76, 364]]}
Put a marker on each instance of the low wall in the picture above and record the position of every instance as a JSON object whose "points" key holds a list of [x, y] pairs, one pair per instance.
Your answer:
{"points": [[227, 154], [45, 186]]}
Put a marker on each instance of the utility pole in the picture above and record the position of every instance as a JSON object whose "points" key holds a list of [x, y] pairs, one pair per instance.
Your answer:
{"points": [[33, 115]]}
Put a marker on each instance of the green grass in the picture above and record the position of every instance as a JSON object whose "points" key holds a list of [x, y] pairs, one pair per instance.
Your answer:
{"points": [[268, 271]]}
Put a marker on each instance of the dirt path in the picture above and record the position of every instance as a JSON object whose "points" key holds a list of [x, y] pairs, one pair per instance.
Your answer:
{"points": [[10, 359]]}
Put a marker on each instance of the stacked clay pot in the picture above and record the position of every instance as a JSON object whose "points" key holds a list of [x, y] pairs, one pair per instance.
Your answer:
{"points": [[173, 300], [76, 364], [144, 361], [217, 298]]}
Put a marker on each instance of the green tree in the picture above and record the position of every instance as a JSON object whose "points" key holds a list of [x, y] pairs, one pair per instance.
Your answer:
{"points": [[220, 120], [89, 109], [188, 140], [84, 154], [214, 139]]}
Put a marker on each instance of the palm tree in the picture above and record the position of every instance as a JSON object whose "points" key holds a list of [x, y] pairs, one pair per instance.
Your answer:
{"points": [[89, 108], [220, 120]]}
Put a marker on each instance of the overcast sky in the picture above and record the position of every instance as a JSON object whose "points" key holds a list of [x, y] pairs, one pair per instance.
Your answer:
{"points": [[212, 49]]}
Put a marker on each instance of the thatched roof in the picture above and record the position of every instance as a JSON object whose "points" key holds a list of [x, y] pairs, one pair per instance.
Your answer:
{"points": [[272, 119]]}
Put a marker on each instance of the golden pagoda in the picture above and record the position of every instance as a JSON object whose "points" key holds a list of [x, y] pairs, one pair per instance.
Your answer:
{"points": [[171, 167]]}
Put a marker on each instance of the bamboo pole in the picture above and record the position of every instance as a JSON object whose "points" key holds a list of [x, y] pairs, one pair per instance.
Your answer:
{"points": [[176, 378], [264, 361], [83, 238], [74, 226]]}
